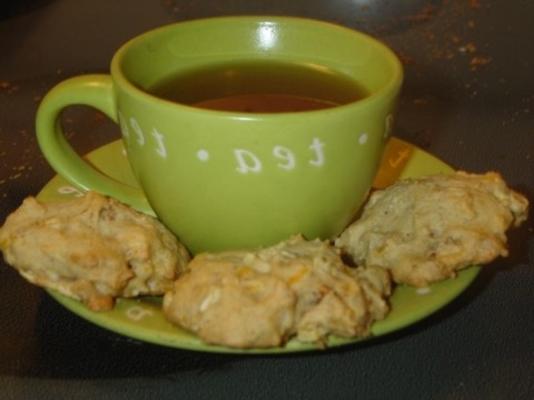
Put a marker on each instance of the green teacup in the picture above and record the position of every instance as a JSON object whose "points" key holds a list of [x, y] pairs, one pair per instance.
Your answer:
{"points": [[234, 179]]}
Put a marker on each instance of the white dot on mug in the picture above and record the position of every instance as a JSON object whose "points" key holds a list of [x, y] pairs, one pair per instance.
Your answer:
{"points": [[203, 155], [363, 138]]}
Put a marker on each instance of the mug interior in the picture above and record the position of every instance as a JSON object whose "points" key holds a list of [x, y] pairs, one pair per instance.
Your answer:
{"points": [[184, 47]]}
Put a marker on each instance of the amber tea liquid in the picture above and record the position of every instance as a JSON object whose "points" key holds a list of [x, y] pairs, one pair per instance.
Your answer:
{"points": [[260, 87]]}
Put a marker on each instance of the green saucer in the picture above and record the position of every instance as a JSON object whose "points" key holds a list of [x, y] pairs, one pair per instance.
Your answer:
{"points": [[142, 319]]}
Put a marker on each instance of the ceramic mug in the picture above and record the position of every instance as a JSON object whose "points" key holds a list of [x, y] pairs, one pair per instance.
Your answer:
{"points": [[224, 180]]}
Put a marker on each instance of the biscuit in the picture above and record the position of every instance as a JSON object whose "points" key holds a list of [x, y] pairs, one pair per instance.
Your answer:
{"points": [[262, 298], [93, 249], [425, 230]]}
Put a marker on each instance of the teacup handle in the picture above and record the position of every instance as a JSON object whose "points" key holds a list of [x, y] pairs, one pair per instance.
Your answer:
{"points": [[95, 91]]}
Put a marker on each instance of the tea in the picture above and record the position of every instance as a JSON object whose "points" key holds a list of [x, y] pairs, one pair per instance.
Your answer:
{"points": [[261, 87]]}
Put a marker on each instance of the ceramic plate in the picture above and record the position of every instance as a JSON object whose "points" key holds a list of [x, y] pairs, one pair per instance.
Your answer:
{"points": [[142, 319]]}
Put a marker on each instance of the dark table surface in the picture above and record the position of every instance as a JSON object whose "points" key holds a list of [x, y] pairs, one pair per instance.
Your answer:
{"points": [[468, 99]]}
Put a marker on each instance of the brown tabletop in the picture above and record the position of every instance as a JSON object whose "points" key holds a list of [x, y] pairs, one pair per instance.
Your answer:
{"points": [[468, 99]]}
